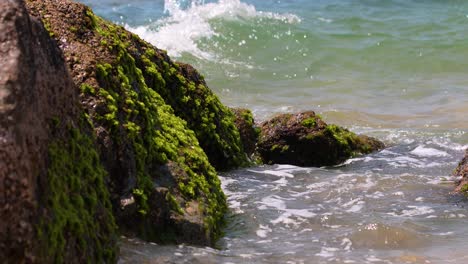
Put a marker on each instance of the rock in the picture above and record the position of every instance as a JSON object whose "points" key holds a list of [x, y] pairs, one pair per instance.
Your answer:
{"points": [[54, 206], [248, 131], [158, 127], [304, 139], [213, 123], [462, 171]]}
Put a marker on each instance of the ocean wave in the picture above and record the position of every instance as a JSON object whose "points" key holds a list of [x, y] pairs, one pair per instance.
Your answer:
{"points": [[179, 32]]}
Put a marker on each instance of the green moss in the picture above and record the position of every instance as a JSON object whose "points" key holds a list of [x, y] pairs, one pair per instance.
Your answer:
{"points": [[280, 148], [349, 142], [173, 203], [309, 122], [133, 104], [464, 189], [248, 117], [87, 89], [92, 19], [78, 215], [344, 136], [48, 27], [141, 200], [55, 122], [212, 122]]}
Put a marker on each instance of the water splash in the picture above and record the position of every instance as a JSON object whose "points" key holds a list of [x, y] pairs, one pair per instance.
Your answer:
{"points": [[188, 23]]}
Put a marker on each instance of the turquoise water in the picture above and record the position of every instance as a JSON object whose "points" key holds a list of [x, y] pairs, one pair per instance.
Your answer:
{"points": [[394, 62], [393, 69]]}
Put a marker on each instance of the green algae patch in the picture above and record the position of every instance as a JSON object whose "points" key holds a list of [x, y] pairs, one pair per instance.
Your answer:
{"points": [[157, 136], [249, 132], [309, 122], [346, 140], [158, 127], [186, 92], [464, 189], [78, 218], [304, 139]]}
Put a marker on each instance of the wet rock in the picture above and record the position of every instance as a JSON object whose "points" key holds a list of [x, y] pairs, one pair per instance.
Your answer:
{"points": [[462, 171], [247, 129], [157, 125], [213, 123], [304, 139], [54, 206]]}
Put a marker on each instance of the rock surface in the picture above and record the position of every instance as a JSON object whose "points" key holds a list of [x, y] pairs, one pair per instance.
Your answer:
{"points": [[248, 131], [150, 116], [49, 212], [462, 171], [304, 139]]}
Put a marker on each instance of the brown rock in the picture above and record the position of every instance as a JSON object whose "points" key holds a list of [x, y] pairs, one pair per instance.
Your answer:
{"points": [[158, 126], [304, 139], [33, 89], [248, 131], [462, 171], [38, 108]]}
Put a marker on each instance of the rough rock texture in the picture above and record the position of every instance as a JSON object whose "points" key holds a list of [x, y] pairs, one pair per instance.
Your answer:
{"points": [[53, 202], [87, 41], [304, 139], [462, 171], [150, 116], [247, 129]]}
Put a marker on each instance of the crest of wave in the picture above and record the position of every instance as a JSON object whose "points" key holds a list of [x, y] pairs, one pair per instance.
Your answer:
{"points": [[189, 21]]}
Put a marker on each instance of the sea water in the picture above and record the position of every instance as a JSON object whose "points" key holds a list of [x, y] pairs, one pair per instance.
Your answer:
{"points": [[392, 69]]}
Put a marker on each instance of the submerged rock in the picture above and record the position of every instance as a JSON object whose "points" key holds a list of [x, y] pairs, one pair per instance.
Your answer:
{"points": [[157, 125], [462, 171], [54, 205], [304, 139]]}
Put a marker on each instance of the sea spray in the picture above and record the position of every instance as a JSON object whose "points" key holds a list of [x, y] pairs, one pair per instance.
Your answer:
{"points": [[187, 24]]}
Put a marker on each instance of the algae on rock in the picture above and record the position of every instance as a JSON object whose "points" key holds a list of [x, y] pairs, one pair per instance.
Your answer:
{"points": [[55, 203], [249, 132], [304, 139], [77, 220], [462, 171], [149, 115]]}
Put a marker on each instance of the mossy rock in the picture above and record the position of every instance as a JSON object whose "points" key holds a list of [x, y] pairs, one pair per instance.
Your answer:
{"points": [[462, 171], [249, 132], [77, 224], [57, 207], [304, 139], [150, 116]]}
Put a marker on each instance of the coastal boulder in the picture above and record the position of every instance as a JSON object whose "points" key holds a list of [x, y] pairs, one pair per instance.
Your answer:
{"points": [[159, 128], [54, 205], [462, 171], [304, 139]]}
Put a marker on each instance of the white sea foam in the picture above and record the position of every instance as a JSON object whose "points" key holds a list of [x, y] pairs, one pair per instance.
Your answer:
{"points": [[233, 198], [428, 152], [417, 210], [263, 231], [347, 243], [274, 173], [225, 182], [327, 252], [180, 31], [273, 202]]}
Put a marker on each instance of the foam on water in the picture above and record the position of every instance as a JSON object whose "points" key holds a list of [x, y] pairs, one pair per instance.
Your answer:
{"points": [[428, 152], [183, 28]]}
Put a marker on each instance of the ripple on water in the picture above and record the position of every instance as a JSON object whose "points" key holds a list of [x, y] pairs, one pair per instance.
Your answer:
{"points": [[349, 213], [381, 236]]}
